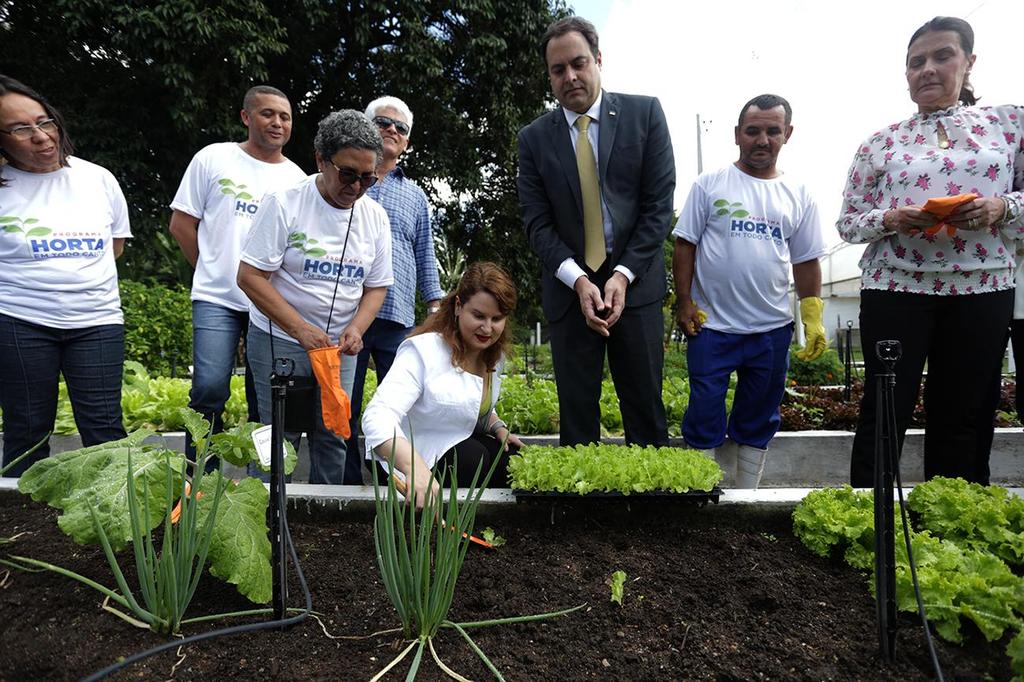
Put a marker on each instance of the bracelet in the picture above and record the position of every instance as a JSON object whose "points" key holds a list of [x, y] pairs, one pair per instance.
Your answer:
{"points": [[884, 215], [492, 430]]}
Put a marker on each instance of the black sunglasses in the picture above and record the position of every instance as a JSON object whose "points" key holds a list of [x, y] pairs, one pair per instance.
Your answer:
{"points": [[349, 177], [384, 121]]}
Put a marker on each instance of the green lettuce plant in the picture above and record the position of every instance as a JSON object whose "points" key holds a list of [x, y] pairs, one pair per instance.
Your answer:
{"points": [[612, 468], [420, 558], [617, 583]]}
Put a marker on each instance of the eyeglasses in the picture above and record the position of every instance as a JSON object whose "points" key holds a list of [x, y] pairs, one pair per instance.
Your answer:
{"points": [[384, 121], [25, 132], [349, 177]]}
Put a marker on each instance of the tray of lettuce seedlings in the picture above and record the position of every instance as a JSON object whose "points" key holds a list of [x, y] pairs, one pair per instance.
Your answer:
{"points": [[614, 471]]}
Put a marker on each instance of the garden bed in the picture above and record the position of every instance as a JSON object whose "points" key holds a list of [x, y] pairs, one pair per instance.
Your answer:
{"points": [[711, 593]]}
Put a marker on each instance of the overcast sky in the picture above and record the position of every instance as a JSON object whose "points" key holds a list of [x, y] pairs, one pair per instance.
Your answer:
{"points": [[840, 65]]}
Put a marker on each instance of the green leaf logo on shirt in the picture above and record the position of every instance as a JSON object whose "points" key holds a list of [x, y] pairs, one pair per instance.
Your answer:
{"points": [[299, 240], [734, 209], [231, 189], [14, 225]]}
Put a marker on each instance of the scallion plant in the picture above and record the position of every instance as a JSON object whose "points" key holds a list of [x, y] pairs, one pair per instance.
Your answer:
{"points": [[420, 558]]}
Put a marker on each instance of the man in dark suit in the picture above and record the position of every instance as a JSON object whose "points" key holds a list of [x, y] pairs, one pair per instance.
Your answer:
{"points": [[596, 177]]}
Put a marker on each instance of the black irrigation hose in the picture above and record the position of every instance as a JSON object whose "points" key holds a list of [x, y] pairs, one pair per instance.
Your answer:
{"points": [[223, 632], [913, 576]]}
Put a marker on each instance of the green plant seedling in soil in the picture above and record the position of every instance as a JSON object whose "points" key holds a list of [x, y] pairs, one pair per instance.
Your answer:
{"points": [[618, 585], [420, 559], [489, 535]]}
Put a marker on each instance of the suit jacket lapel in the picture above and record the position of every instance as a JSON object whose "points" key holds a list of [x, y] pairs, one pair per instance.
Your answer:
{"points": [[561, 142], [606, 132]]}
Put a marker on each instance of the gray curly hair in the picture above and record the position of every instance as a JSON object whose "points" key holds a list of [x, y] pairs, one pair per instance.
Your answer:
{"points": [[347, 129]]}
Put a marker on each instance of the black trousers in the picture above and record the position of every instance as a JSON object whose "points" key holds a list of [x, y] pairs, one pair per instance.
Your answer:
{"points": [[636, 357], [962, 339], [476, 451]]}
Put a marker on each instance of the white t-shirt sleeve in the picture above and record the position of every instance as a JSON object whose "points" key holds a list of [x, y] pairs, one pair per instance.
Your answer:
{"points": [[381, 271], [807, 242], [693, 219], [268, 238], [191, 195], [119, 225]]}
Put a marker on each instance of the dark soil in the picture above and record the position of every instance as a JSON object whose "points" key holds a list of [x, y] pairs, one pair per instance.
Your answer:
{"points": [[713, 593]]}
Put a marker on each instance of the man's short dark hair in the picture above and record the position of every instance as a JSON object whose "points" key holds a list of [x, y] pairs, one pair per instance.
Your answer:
{"points": [[563, 26], [249, 101], [766, 102]]}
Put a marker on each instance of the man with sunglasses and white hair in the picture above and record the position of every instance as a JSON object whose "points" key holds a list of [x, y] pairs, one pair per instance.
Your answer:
{"points": [[217, 200], [413, 259]]}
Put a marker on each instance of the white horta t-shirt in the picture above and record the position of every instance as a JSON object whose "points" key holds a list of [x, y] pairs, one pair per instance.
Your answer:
{"points": [[56, 246], [299, 238], [748, 232], [223, 187]]}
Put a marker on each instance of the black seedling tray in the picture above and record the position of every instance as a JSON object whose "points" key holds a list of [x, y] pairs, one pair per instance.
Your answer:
{"points": [[693, 496]]}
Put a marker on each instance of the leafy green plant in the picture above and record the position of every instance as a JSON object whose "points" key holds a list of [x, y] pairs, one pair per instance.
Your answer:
{"points": [[983, 517], [420, 558], [824, 371], [617, 583], [91, 487], [626, 469], [958, 579], [490, 536], [157, 326]]}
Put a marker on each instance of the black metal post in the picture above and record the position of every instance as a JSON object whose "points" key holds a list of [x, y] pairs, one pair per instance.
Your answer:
{"points": [[278, 498], [886, 459]]}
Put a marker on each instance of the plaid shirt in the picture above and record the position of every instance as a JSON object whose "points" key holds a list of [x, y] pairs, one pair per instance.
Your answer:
{"points": [[412, 247]]}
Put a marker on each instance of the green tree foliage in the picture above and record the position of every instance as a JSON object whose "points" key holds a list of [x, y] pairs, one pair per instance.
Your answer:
{"points": [[146, 84], [157, 326]]}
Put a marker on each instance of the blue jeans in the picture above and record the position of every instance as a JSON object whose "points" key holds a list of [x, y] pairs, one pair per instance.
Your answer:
{"points": [[760, 362], [381, 340], [32, 358], [326, 450], [216, 331]]}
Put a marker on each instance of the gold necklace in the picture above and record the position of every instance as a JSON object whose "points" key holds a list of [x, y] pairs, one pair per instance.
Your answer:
{"points": [[943, 137]]}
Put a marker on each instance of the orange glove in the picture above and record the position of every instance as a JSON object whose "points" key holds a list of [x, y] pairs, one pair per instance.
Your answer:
{"points": [[942, 207], [335, 406]]}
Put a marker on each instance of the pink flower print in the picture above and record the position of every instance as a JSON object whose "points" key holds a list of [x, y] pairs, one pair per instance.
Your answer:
{"points": [[888, 143], [923, 181], [980, 130], [952, 189], [900, 251], [865, 149], [856, 178], [992, 173], [907, 158], [894, 127], [952, 290], [919, 139], [1000, 251], [894, 203], [972, 144], [992, 118], [888, 157], [877, 275], [939, 254], [959, 245], [983, 280], [891, 285], [907, 201], [918, 277], [971, 162], [956, 266], [970, 290], [947, 165], [937, 285], [918, 257], [1010, 137]]}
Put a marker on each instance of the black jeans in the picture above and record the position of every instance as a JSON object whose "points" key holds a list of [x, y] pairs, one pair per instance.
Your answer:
{"points": [[476, 451], [962, 339], [32, 359]]}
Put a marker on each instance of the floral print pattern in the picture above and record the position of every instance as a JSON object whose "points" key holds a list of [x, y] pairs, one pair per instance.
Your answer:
{"points": [[903, 165]]}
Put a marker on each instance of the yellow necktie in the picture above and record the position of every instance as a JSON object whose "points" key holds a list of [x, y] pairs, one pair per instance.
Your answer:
{"points": [[593, 222]]}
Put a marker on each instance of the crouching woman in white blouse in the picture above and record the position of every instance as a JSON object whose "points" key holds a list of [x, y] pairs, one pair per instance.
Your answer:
{"points": [[441, 390]]}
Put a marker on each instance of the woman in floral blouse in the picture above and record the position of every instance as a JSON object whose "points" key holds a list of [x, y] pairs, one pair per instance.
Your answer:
{"points": [[944, 289]]}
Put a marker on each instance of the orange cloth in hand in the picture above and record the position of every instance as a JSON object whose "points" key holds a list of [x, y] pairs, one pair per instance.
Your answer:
{"points": [[335, 406], [942, 207]]}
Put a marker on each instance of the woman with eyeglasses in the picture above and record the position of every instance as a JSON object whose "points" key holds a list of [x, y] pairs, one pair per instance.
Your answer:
{"points": [[316, 266], [63, 221]]}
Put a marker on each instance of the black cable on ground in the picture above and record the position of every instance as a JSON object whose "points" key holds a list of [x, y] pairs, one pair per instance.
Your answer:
{"points": [[223, 632], [913, 577]]}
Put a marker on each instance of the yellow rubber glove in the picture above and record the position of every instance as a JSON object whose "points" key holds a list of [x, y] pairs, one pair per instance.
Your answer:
{"points": [[811, 309]]}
